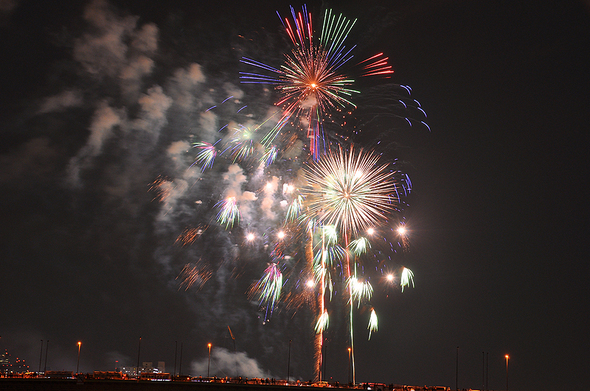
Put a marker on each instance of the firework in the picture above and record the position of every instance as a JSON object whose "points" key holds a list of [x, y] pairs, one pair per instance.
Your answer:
{"points": [[162, 187], [269, 156], [294, 210], [361, 290], [229, 213], [269, 287], [322, 323], [373, 324], [407, 278], [345, 192], [359, 246], [311, 81], [350, 190], [190, 235], [241, 143], [194, 275], [206, 155]]}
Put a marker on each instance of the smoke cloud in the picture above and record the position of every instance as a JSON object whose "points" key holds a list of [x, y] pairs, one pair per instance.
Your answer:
{"points": [[225, 363]]}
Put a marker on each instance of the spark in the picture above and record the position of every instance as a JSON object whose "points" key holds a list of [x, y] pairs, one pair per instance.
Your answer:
{"points": [[373, 323], [162, 187], [359, 246], [322, 323], [190, 235], [407, 278], [269, 156], [229, 213], [294, 210], [330, 234], [241, 143], [206, 155], [361, 290], [269, 287], [194, 275]]}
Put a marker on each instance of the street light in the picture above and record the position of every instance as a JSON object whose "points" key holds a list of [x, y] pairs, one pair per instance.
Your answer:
{"points": [[209, 362], [507, 358], [78, 366]]}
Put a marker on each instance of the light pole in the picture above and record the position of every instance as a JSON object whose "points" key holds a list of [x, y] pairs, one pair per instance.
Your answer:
{"points": [[138, 352], [40, 357], [175, 354], [78, 365], [289, 363], [507, 358], [46, 350], [457, 370], [209, 362]]}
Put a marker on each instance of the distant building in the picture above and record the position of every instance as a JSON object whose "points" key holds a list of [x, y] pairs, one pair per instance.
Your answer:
{"points": [[8, 364], [146, 367]]}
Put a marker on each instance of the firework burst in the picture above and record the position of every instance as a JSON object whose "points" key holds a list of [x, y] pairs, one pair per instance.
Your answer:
{"points": [[268, 288], [311, 81], [229, 214], [350, 190]]}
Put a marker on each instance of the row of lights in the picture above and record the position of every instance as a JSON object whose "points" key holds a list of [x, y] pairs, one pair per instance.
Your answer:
{"points": [[281, 234], [209, 345]]}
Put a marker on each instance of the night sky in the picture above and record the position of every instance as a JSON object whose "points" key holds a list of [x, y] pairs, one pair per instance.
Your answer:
{"points": [[101, 101]]}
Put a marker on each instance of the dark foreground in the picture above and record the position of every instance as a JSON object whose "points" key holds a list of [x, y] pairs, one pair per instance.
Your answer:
{"points": [[128, 385]]}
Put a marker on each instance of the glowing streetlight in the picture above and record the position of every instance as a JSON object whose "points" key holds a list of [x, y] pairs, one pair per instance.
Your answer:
{"points": [[78, 366], [507, 357], [209, 362]]}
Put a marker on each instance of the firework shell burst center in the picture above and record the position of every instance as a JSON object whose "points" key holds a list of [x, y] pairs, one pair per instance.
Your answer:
{"points": [[350, 190]]}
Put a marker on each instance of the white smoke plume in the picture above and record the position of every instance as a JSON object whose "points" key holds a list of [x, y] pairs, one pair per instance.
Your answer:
{"points": [[225, 363]]}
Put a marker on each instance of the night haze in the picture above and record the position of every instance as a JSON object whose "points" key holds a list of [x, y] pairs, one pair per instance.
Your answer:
{"points": [[105, 216]]}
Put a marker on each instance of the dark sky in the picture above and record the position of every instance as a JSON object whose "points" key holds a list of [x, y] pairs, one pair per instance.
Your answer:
{"points": [[100, 100]]}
